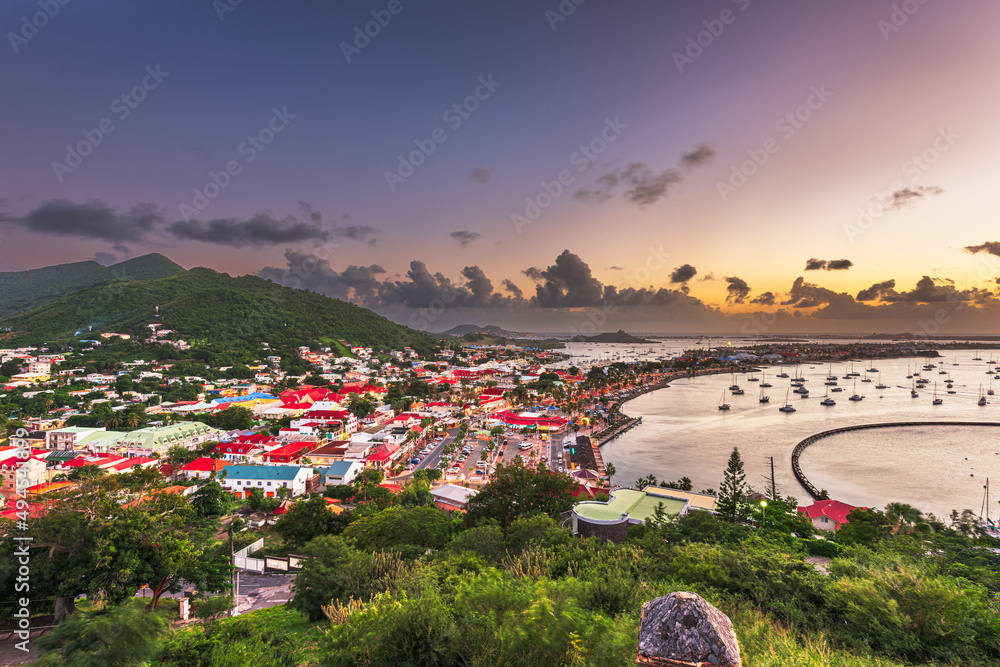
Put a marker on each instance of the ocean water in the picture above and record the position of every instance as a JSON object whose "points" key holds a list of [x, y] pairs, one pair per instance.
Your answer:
{"points": [[934, 468]]}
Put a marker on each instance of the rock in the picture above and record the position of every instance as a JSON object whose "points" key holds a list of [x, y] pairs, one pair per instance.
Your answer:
{"points": [[683, 630]]}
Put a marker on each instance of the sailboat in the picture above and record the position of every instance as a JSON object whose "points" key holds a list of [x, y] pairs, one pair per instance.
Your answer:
{"points": [[831, 376], [989, 392], [828, 400], [782, 374], [723, 405], [937, 401], [880, 385], [763, 398], [866, 378], [984, 519], [982, 397], [765, 384], [787, 407], [734, 387], [913, 390], [856, 396]]}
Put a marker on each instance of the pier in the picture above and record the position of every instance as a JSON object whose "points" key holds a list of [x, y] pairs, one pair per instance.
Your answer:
{"points": [[799, 448]]}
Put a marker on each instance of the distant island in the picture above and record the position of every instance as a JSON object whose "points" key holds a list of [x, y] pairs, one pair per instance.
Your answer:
{"points": [[616, 337]]}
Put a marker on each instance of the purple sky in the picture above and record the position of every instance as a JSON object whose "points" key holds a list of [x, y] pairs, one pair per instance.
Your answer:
{"points": [[806, 167]]}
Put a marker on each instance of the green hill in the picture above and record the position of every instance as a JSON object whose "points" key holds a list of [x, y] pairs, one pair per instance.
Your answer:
{"points": [[23, 290], [202, 304]]}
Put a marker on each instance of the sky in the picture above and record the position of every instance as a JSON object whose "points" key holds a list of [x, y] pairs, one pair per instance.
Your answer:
{"points": [[581, 166]]}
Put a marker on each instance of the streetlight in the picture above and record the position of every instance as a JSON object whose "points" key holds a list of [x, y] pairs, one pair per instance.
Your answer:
{"points": [[763, 507]]}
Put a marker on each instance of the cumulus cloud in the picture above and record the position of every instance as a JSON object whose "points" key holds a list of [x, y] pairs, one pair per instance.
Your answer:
{"points": [[465, 238], [682, 274], [765, 299], [828, 265], [568, 283], [514, 290], [990, 247], [885, 290], [702, 155], [481, 175], [737, 290]]}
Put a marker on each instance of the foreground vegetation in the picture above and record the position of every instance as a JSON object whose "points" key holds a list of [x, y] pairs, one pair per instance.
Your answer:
{"points": [[394, 581]]}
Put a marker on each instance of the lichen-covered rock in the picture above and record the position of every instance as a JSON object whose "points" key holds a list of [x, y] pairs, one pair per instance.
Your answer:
{"points": [[683, 630]]}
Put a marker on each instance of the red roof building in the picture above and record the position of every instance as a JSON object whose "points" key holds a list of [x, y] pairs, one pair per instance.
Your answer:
{"points": [[827, 514], [289, 453], [202, 468]]}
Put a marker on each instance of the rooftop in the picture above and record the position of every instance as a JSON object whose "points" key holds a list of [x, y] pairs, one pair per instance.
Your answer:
{"points": [[639, 506]]}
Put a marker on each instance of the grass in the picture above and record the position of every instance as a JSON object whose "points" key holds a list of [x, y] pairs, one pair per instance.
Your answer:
{"points": [[765, 643], [286, 621]]}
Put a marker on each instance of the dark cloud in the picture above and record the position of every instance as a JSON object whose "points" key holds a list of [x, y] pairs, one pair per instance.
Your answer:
{"points": [[737, 290], [906, 196], [481, 175], [616, 268], [886, 290], [514, 290], [465, 238], [123, 250], [93, 219], [765, 299], [682, 274], [569, 283], [990, 247], [643, 185], [828, 265], [306, 271], [700, 156], [360, 233], [839, 265], [260, 230], [708, 277]]}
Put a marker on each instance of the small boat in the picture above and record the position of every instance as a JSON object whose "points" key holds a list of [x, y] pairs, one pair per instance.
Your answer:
{"points": [[989, 392], [828, 400], [763, 398], [856, 397], [913, 391], [738, 392], [723, 405], [880, 385], [936, 401], [838, 389], [787, 407]]}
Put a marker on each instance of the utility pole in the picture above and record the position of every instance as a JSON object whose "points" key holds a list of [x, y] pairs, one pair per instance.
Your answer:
{"points": [[774, 488]]}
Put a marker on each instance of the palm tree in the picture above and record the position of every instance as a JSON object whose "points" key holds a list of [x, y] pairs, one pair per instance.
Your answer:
{"points": [[906, 518], [609, 469]]}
